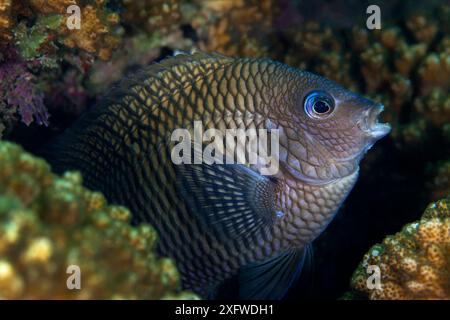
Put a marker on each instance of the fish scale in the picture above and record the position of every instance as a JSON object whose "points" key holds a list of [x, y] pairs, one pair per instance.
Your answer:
{"points": [[122, 147]]}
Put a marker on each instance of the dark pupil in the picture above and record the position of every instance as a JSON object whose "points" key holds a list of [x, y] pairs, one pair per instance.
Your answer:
{"points": [[321, 107]]}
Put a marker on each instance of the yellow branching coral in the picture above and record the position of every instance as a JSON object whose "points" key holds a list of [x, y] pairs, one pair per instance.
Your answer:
{"points": [[48, 223], [435, 72], [422, 28], [152, 15], [434, 106], [6, 20], [439, 184], [407, 57], [310, 42], [414, 263], [94, 36], [231, 26], [51, 6]]}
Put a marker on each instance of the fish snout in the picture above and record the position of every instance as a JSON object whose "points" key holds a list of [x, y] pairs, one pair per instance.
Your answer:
{"points": [[371, 125]]}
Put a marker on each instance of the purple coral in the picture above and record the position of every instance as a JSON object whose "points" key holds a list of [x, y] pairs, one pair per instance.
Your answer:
{"points": [[18, 90]]}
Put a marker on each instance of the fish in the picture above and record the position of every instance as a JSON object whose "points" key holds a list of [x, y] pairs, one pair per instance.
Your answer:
{"points": [[219, 221]]}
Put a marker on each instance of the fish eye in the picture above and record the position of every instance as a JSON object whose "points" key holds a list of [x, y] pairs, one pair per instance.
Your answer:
{"points": [[318, 105]]}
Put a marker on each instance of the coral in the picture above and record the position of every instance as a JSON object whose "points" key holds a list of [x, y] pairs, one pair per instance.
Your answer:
{"points": [[152, 15], [310, 42], [48, 223], [45, 27], [422, 28], [95, 34], [434, 106], [414, 263], [235, 27], [139, 50], [6, 20], [19, 94], [38, 50], [153, 26], [439, 183], [51, 6], [34, 41], [434, 72]]}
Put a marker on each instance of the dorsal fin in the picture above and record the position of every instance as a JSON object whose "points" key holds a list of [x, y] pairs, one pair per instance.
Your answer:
{"points": [[165, 78], [192, 60]]}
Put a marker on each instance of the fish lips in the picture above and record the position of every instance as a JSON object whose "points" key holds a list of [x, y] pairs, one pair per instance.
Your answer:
{"points": [[370, 125]]}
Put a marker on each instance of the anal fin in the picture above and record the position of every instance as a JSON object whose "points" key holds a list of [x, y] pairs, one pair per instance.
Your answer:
{"points": [[271, 279]]}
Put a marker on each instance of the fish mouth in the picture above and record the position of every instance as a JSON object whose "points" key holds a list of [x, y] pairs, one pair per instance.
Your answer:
{"points": [[373, 128]]}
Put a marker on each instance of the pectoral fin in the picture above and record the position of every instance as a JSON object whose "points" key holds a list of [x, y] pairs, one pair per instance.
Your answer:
{"points": [[233, 201]]}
